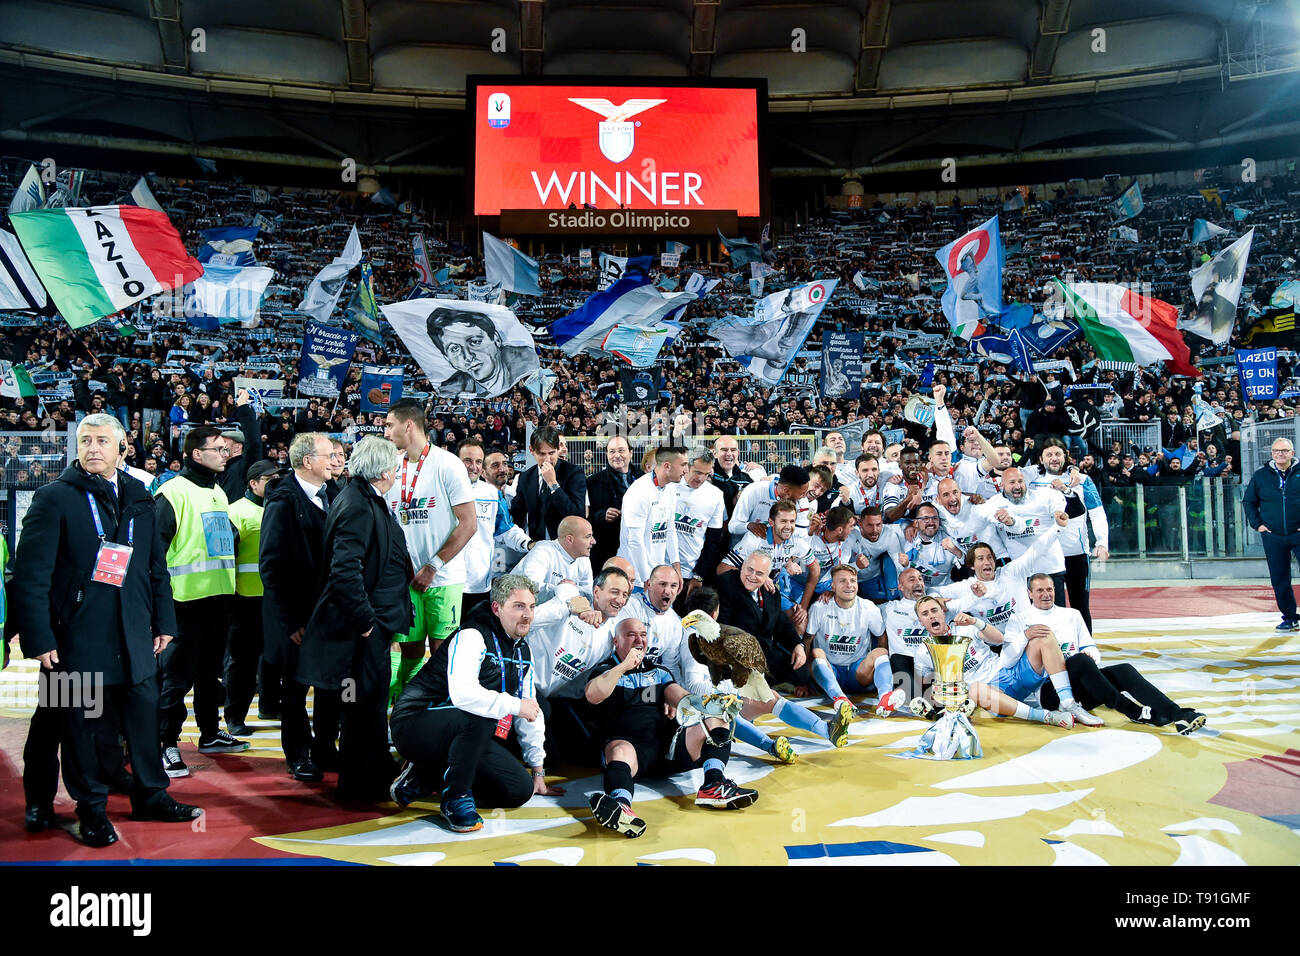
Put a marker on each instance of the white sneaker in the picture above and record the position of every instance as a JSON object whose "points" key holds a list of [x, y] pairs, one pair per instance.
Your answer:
{"points": [[1081, 716], [1059, 718]]}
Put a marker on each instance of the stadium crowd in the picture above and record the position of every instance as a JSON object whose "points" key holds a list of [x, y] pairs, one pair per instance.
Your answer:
{"points": [[417, 571]]}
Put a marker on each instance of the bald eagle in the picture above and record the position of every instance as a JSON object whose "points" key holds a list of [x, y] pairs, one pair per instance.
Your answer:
{"points": [[724, 646]]}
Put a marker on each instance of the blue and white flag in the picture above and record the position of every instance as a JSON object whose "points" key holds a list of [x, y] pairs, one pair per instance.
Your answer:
{"points": [[1257, 371], [30, 193], [613, 268], [1046, 335], [326, 357], [1009, 349], [142, 195], [508, 266], [1017, 201], [325, 288], [766, 344], [381, 386], [701, 286], [1017, 315], [741, 251], [631, 301], [1129, 204], [1127, 233], [973, 265], [474, 349], [755, 287], [841, 372], [765, 243], [1203, 229], [638, 347], [266, 224], [1285, 294], [228, 294], [228, 246], [484, 292], [676, 248], [420, 255], [1238, 214]]}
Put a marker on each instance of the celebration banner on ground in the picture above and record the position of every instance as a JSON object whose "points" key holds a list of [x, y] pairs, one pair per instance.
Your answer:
{"points": [[841, 371], [465, 348], [381, 385], [326, 355]]}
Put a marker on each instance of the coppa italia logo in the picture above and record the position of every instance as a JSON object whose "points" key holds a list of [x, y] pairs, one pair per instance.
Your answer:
{"points": [[498, 110], [617, 135]]}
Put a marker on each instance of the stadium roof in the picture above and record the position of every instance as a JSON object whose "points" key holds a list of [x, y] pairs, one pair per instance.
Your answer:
{"points": [[873, 82]]}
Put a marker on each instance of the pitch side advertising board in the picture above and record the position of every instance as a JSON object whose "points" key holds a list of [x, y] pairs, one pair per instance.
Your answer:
{"points": [[586, 146]]}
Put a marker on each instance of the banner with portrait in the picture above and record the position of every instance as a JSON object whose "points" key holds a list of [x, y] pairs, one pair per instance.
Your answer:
{"points": [[841, 366], [478, 349]]}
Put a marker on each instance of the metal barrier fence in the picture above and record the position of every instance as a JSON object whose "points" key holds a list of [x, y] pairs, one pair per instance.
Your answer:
{"points": [[1200, 518], [769, 451], [1129, 434], [1257, 442]]}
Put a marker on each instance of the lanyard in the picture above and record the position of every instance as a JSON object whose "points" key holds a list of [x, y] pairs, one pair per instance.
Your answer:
{"points": [[99, 525], [839, 551], [406, 498], [519, 671]]}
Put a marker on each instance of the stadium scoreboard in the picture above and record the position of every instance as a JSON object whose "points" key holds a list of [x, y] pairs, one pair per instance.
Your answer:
{"points": [[595, 156]]}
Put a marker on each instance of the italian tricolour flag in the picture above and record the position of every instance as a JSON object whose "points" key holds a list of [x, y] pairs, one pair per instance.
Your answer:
{"points": [[99, 260], [1124, 326]]}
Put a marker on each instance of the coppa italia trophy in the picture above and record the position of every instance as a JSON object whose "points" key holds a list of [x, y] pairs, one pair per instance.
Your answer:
{"points": [[952, 737]]}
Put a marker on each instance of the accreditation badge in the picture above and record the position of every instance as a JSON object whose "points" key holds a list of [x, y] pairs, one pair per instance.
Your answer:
{"points": [[111, 563], [404, 516]]}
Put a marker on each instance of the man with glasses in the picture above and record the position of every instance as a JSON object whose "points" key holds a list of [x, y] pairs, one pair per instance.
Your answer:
{"points": [[194, 521], [1272, 505]]}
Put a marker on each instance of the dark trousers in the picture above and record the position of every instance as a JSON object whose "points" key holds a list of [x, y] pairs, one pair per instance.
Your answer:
{"points": [[41, 754], [296, 728], [134, 708], [364, 763], [907, 675], [1105, 686], [243, 655], [194, 660], [1278, 549], [1076, 586], [570, 730], [270, 686], [456, 752]]}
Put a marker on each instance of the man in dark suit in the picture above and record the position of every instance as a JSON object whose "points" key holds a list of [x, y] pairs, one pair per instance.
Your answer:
{"points": [[605, 498], [747, 603], [91, 598], [550, 490], [363, 603], [292, 566]]}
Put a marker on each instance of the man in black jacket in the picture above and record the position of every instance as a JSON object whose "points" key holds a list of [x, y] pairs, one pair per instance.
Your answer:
{"points": [[455, 716], [605, 491], [728, 476], [245, 444], [290, 559], [91, 598], [364, 602], [1272, 506], [550, 490], [750, 603]]}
